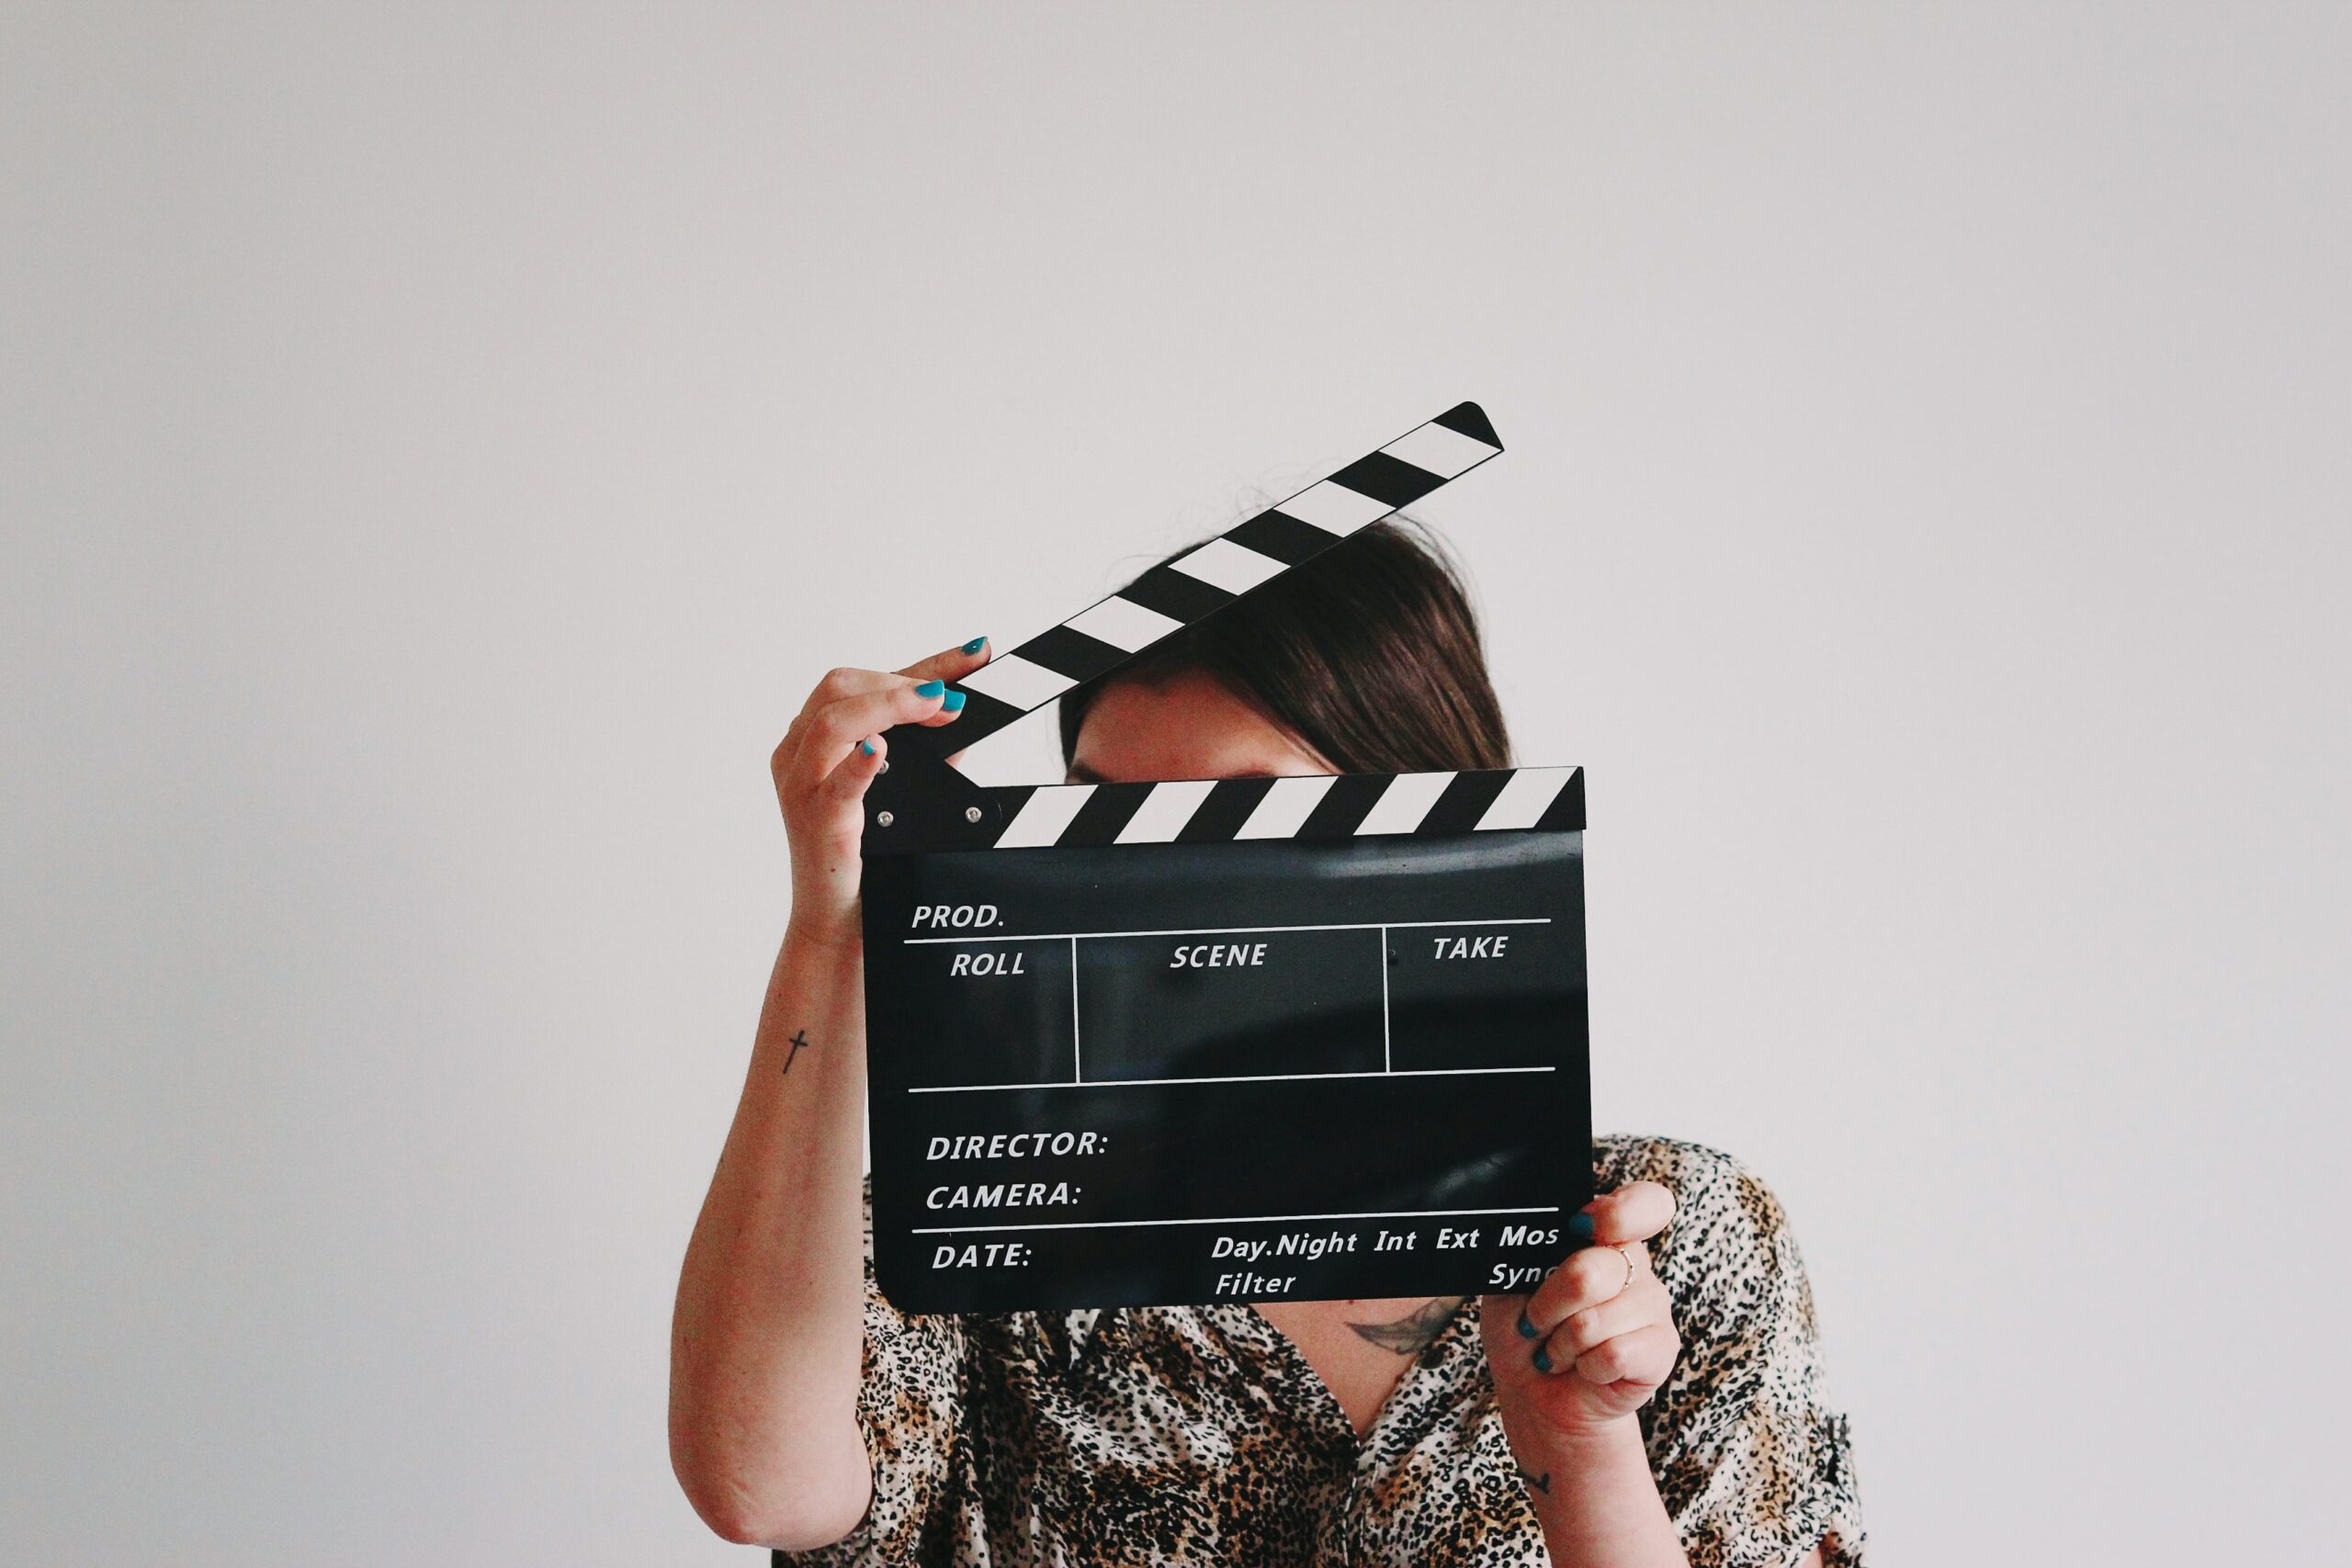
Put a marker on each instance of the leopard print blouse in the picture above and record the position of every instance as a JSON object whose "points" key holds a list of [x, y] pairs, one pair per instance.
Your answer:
{"points": [[1200, 1435]]}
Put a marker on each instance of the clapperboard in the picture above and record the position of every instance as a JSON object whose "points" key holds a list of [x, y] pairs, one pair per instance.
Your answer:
{"points": [[1196, 1041]]}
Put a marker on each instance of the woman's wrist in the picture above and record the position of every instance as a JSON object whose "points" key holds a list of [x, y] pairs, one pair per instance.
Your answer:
{"points": [[1593, 1492], [820, 971], [825, 939], [1553, 1459]]}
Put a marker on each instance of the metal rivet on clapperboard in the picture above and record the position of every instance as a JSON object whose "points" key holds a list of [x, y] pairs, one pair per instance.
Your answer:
{"points": [[883, 819], [971, 814]]}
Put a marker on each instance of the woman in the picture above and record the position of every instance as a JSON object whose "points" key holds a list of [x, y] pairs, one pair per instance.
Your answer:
{"points": [[1657, 1400]]}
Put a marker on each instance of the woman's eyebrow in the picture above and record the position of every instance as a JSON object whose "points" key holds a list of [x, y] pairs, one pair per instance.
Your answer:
{"points": [[1081, 773]]}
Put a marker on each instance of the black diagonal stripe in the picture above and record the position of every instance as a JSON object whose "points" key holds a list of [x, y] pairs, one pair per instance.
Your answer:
{"points": [[1284, 537], [1470, 420], [1388, 479], [1071, 653], [1463, 802], [1566, 809], [1221, 814], [1009, 800], [982, 715], [1175, 595], [1344, 805], [1105, 812]]}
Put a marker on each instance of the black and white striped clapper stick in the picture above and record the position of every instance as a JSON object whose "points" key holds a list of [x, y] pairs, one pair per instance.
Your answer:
{"points": [[1315, 805], [1170, 597], [922, 805]]}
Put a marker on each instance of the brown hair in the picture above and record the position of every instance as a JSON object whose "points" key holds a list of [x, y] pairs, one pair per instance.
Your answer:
{"points": [[1368, 653]]}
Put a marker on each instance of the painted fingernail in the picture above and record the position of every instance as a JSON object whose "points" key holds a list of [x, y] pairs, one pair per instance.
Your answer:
{"points": [[953, 703], [1526, 1329], [1543, 1359], [867, 747], [930, 688], [977, 644], [1580, 1229]]}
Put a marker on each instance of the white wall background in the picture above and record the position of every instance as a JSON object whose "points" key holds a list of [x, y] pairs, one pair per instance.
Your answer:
{"points": [[439, 449]]}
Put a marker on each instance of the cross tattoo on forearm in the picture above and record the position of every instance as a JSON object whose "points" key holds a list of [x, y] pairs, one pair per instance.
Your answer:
{"points": [[797, 1041]]}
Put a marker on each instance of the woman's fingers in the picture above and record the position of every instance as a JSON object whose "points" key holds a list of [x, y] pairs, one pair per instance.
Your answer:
{"points": [[828, 732], [1635, 1212], [1604, 1313], [847, 782], [846, 682], [950, 703], [952, 665], [1643, 1356], [851, 707], [1613, 1265], [1637, 1307], [1588, 1279]]}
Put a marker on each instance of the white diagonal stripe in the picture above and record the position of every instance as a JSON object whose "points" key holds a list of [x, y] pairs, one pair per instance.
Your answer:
{"points": [[1043, 816], [1009, 677], [1404, 803], [1285, 807], [1124, 624], [1336, 507], [1524, 797], [1437, 450], [1165, 811], [1231, 567]]}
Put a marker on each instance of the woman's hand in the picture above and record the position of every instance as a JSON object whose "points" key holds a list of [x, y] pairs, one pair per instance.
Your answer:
{"points": [[1597, 1338], [1572, 1364], [834, 750]]}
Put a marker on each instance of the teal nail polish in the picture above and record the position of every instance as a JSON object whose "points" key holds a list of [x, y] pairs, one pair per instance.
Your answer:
{"points": [[1526, 1329], [1580, 1229], [952, 703], [977, 644], [1543, 1359], [867, 747], [930, 688]]}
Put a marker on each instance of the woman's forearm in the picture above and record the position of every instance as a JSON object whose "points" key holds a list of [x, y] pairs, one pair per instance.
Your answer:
{"points": [[1598, 1503], [766, 1346], [766, 1340]]}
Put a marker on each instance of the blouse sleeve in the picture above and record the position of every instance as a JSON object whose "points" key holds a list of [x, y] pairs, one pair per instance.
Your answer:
{"points": [[1754, 1464], [910, 1411]]}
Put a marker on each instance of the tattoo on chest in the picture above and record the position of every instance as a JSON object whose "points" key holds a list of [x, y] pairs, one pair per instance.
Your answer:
{"points": [[1541, 1483], [797, 1041], [1411, 1334]]}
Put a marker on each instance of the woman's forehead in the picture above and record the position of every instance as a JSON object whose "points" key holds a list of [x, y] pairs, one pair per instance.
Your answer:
{"points": [[1186, 727]]}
